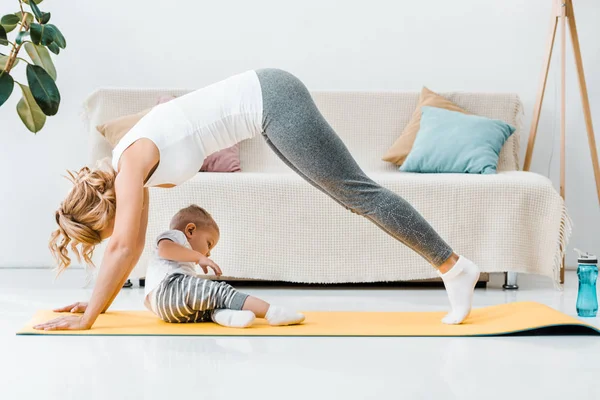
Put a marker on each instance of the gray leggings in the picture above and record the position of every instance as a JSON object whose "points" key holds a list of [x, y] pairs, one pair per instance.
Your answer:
{"points": [[297, 132]]}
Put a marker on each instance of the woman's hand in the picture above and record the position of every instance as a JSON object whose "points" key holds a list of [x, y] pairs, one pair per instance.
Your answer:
{"points": [[66, 323], [205, 262], [78, 307]]}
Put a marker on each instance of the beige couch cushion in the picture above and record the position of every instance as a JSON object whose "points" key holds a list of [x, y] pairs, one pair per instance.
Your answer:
{"points": [[114, 130], [403, 145]]}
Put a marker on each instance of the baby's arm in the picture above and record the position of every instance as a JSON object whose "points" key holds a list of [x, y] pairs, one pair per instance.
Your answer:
{"points": [[170, 250]]}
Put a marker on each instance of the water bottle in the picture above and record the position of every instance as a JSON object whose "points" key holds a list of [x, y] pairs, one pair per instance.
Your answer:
{"points": [[587, 272]]}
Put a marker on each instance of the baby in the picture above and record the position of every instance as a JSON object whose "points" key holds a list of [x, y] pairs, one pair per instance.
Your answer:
{"points": [[176, 293]]}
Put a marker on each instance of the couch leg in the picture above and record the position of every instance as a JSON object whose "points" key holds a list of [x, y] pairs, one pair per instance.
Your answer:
{"points": [[510, 281]]}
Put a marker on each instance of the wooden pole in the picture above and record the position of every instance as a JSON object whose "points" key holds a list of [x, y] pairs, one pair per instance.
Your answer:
{"points": [[584, 95], [563, 112], [537, 109]]}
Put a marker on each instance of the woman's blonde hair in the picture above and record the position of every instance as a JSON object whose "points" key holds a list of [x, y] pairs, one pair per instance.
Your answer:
{"points": [[89, 208]]}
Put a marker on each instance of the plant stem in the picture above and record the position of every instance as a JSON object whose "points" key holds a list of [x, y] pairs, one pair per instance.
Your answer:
{"points": [[15, 50], [24, 60], [26, 25]]}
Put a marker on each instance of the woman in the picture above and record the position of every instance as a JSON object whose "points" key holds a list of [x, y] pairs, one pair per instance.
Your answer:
{"points": [[167, 147]]}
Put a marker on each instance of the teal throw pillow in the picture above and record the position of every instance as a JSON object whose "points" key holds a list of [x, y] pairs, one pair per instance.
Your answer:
{"points": [[453, 142]]}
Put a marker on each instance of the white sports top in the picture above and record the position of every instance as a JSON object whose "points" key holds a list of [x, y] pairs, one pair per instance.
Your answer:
{"points": [[189, 128]]}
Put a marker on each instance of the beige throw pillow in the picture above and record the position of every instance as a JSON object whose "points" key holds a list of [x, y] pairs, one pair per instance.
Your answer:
{"points": [[403, 145], [114, 130]]}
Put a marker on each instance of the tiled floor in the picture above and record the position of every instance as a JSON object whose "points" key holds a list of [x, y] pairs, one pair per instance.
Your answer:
{"points": [[111, 368]]}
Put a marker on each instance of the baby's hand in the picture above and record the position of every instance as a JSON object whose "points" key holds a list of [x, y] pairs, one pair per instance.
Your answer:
{"points": [[205, 262]]}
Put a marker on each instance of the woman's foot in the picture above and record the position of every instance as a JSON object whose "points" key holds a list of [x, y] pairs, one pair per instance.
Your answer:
{"points": [[278, 316], [460, 283]]}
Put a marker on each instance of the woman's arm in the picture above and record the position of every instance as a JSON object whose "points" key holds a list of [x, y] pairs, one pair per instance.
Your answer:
{"points": [[80, 307], [121, 250], [141, 240]]}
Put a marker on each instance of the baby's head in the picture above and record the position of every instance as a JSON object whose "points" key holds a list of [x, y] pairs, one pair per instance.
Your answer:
{"points": [[200, 229]]}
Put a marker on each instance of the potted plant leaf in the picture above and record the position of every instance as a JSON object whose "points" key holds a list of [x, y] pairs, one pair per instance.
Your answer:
{"points": [[30, 29]]}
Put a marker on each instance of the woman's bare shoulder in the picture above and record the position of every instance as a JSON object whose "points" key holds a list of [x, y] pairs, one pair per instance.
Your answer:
{"points": [[141, 157]]}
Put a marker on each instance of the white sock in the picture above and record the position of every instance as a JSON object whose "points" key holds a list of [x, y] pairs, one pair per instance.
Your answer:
{"points": [[460, 284], [281, 316], [233, 318]]}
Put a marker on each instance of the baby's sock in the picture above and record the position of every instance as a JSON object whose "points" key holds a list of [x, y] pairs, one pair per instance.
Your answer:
{"points": [[460, 283], [233, 318], [281, 316]]}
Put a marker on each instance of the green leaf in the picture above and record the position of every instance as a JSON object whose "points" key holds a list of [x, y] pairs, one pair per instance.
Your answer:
{"points": [[46, 34], [28, 17], [21, 37], [43, 89], [37, 32], [40, 56], [55, 36], [36, 1], [9, 22], [3, 37], [53, 47], [45, 18], [36, 10], [4, 59], [31, 114], [6, 86]]}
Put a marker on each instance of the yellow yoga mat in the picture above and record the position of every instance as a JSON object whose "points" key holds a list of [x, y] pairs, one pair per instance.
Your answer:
{"points": [[512, 318]]}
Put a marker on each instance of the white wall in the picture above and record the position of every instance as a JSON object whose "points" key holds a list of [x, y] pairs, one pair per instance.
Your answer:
{"points": [[468, 45]]}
